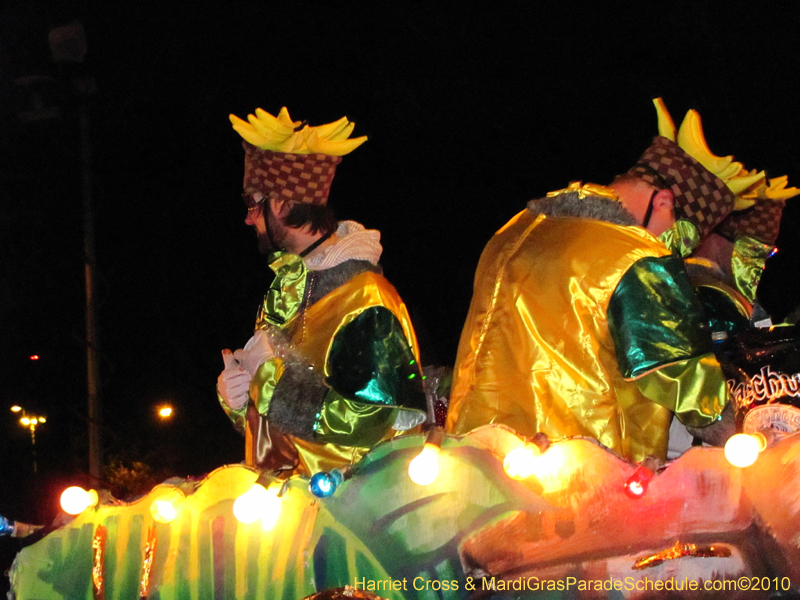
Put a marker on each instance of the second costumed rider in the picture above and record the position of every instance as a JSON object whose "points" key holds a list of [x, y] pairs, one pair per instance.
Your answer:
{"points": [[333, 367]]}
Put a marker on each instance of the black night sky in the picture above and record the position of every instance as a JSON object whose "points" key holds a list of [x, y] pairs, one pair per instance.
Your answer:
{"points": [[470, 113]]}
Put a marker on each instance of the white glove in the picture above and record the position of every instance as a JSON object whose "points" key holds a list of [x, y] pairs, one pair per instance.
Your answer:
{"points": [[233, 384], [256, 351]]}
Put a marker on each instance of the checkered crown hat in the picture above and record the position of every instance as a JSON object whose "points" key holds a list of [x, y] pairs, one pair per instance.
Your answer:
{"points": [[762, 221], [291, 160], [301, 178], [706, 187]]}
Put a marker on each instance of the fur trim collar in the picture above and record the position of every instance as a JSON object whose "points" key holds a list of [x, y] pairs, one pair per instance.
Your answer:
{"points": [[570, 204]]}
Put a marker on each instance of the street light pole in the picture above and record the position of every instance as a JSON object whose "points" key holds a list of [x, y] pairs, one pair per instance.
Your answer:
{"points": [[92, 342], [30, 422], [68, 45]]}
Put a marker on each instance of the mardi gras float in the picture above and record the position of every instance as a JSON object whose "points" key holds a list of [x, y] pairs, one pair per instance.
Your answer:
{"points": [[485, 515]]}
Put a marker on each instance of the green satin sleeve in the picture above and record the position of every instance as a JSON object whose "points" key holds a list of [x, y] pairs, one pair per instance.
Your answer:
{"points": [[682, 238], [371, 361], [694, 389], [655, 318], [352, 423], [747, 264], [236, 416], [262, 386]]}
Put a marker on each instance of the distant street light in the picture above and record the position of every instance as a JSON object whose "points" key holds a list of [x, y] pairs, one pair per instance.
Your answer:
{"points": [[165, 411], [30, 422]]}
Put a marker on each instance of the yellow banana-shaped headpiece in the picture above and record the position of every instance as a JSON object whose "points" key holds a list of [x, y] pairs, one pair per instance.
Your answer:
{"points": [[691, 140], [282, 134]]}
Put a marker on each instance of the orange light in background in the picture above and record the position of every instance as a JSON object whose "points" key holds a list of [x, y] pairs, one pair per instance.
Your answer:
{"points": [[165, 411], [34, 357], [16, 408]]}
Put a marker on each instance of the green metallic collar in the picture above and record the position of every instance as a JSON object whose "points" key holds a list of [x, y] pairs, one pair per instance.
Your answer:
{"points": [[285, 294]]}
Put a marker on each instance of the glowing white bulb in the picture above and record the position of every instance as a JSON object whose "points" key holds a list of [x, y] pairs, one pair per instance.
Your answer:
{"points": [[165, 509], [742, 449], [258, 503], [271, 511], [424, 469], [74, 500], [520, 462]]}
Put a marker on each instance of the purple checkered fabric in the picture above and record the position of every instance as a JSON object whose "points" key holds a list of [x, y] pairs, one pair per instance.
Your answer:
{"points": [[303, 178], [761, 221], [700, 196]]}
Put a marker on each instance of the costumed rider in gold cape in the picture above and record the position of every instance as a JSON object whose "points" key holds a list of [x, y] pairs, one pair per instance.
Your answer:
{"points": [[584, 323], [333, 367]]}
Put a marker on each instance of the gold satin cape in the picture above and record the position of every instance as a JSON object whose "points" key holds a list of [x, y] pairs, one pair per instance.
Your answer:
{"points": [[313, 339], [536, 353]]}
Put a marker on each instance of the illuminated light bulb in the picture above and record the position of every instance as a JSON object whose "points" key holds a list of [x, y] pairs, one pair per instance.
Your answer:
{"points": [[74, 500], [550, 462], [165, 412], [521, 462], [271, 510], [742, 449], [16, 408], [247, 507], [6, 526], [424, 469], [637, 484], [34, 357], [258, 503], [165, 509], [324, 484], [25, 421]]}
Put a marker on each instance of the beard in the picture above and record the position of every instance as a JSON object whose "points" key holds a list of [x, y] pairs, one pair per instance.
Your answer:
{"points": [[274, 237]]}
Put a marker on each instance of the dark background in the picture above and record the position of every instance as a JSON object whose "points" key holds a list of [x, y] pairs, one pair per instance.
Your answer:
{"points": [[470, 113]]}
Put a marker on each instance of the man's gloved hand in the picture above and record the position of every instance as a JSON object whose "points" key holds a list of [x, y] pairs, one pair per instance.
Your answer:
{"points": [[234, 382], [256, 351]]}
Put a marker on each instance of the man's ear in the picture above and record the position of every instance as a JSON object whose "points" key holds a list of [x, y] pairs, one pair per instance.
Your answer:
{"points": [[664, 200], [279, 207]]}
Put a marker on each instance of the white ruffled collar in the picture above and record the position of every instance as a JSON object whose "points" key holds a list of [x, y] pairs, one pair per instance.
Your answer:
{"points": [[352, 242]]}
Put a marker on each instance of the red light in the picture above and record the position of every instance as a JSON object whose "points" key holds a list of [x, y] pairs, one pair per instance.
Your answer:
{"points": [[35, 357], [636, 486]]}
